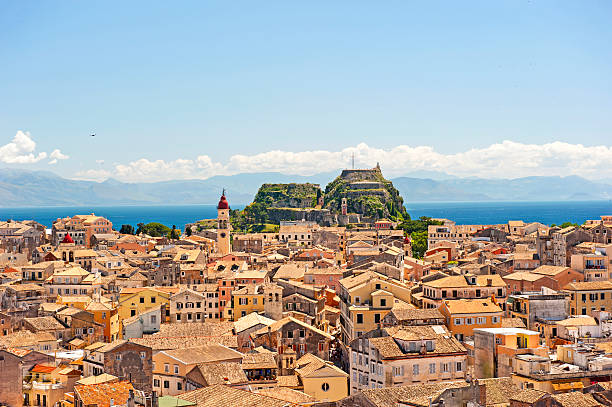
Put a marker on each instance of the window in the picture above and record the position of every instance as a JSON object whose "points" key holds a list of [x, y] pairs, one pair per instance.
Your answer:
{"points": [[415, 370], [325, 387], [143, 355], [155, 382], [166, 384], [142, 300], [377, 318], [469, 321], [459, 366], [432, 368], [360, 318], [481, 320], [458, 321], [176, 369], [495, 320], [166, 368], [153, 299], [179, 386], [302, 333], [117, 357], [153, 319], [383, 302], [290, 334], [445, 367]]}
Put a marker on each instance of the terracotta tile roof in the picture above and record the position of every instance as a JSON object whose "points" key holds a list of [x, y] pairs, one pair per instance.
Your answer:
{"points": [[42, 369], [472, 306], [102, 393], [524, 276], [259, 361], [529, 396], [288, 381], [251, 320], [18, 352], [576, 399], [157, 342], [416, 395], [44, 323], [290, 395], [389, 348], [196, 329], [498, 390], [550, 270], [512, 323], [309, 364], [21, 339], [589, 285], [282, 322], [220, 395], [408, 314], [203, 354], [222, 373]]}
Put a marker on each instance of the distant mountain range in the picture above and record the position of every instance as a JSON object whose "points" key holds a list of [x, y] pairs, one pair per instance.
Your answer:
{"points": [[42, 188]]}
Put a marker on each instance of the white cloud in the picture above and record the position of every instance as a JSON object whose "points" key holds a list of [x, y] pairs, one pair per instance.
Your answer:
{"points": [[100, 162], [53, 162], [58, 155], [507, 159], [21, 150]]}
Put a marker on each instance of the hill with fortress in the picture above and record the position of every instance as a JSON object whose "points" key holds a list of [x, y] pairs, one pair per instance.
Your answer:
{"points": [[355, 196]]}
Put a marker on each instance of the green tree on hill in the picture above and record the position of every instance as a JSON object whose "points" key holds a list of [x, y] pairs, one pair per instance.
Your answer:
{"points": [[153, 229], [127, 230]]}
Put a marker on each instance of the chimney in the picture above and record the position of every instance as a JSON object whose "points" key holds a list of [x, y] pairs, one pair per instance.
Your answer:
{"points": [[489, 282], [130, 401]]}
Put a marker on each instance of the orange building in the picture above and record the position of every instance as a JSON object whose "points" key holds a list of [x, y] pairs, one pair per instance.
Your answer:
{"points": [[462, 316]]}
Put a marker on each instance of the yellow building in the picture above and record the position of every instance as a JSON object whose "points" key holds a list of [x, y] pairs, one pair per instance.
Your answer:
{"points": [[45, 385], [321, 380], [247, 299], [462, 316], [133, 301], [366, 299], [106, 313], [586, 297], [76, 301]]}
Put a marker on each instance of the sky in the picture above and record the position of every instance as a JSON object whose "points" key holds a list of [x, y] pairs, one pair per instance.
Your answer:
{"points": [[179, 90]]}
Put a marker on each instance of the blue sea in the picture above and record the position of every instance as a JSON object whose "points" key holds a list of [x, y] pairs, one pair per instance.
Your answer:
{"points": [[460, 212]]}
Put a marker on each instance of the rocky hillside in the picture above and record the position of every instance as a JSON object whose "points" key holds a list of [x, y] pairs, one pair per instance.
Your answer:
{"points": [[288, 195], [367, 192]]}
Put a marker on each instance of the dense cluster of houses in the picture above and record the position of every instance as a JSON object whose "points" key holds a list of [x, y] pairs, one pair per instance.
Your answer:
{"points": [[492, 315]]}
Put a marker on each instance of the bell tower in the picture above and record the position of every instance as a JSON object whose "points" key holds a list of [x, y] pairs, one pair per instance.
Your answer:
{"points": [[223, 224]]}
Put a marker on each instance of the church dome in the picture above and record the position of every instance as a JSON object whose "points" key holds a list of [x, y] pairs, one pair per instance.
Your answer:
{"points": [[67, 239], [223, 204]]}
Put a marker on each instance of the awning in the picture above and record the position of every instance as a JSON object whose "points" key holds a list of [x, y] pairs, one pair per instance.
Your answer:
{"points": [[567, 386]]}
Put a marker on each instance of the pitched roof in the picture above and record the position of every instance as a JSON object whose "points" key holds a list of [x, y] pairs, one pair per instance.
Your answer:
{"points": [[575, 399], [589, 285], [222, 373], [472, 306], [290, 395], [407, 313], [102, 393], [416, 395], [251, 320], [44, 323], [203, 354], [220, 395], [529, 396], [259, 361], [309, 364], [498, 390], [157, 343], [550, 270]]}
